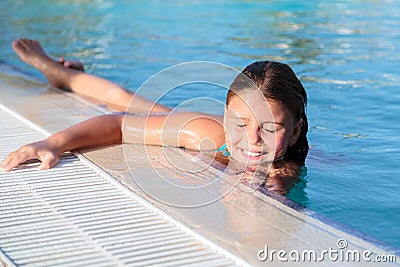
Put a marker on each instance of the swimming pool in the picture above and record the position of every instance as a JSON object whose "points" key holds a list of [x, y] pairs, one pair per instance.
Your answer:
{"points": [[345, 53]]}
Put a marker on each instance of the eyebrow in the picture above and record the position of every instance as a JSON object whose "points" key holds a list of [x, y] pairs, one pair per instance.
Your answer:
{"points": [[246, 119], [274, 122], [239, 118]]}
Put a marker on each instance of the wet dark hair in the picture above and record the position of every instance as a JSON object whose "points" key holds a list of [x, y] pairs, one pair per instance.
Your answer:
{"points": [[277, 81]]}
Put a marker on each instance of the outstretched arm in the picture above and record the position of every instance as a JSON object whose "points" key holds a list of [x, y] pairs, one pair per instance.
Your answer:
{"points": [[197, 131]]}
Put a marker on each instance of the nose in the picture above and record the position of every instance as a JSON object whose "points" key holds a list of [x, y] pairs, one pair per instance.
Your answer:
{"points": [[254, 135]]}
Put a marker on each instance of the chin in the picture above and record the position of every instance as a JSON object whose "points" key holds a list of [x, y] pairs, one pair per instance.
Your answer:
{"points": [[251, 168], [253, 165]]}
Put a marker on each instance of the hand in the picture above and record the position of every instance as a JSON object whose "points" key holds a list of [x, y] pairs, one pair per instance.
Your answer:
{"points": [[72, 64], [44, 151]]}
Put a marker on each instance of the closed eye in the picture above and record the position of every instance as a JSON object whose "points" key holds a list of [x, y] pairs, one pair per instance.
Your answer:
{"points": [[269, 127], [269, 131]]}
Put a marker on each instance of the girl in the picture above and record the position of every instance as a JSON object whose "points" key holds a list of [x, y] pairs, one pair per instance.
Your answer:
{"points": [[264, 118]]}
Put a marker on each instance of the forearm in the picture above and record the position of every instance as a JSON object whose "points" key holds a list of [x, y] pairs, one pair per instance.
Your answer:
{"points": [[98, 131]]}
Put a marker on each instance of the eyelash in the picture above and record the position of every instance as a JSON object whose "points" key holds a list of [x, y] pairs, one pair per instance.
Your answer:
{"points": [[269, 131], [244, 125]]}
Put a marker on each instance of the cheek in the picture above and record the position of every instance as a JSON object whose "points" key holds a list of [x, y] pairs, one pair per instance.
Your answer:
{"points": [[234, 139], [234, 136], [281, 143], [269, 139]]}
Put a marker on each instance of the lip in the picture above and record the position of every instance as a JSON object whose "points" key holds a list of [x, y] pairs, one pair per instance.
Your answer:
{"points": [[252, 155]]}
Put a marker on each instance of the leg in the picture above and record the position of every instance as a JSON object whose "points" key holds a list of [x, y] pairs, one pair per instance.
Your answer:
{"points": [[97, 88]]}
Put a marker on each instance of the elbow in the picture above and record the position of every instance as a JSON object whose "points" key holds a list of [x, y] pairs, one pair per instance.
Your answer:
{"points": [[119, 128], [114, 124]]}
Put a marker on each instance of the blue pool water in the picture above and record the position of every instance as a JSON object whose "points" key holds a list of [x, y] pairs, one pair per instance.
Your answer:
{"points": [[346, 53]]}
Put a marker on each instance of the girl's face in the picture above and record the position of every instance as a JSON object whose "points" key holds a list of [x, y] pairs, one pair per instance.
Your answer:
{"points": [[258, 130]]}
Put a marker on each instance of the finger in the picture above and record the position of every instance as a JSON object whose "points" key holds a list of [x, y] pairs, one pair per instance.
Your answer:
{"points": [[74, 64], [48, 161], [17, 157], [61, 60], [13, 160], [6, 162], [68, 64], [3, 163]]}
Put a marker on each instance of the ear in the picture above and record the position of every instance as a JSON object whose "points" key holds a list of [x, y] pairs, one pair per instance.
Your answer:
{"points": [[296, 132]]}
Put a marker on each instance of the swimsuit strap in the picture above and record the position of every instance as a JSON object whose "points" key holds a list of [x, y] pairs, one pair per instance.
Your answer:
{"points": [[223, 147], [224, 151]]}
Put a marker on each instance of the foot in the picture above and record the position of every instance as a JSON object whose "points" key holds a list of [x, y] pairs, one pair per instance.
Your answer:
{"points": [[32, 53], [71, 64], [29, 51]]}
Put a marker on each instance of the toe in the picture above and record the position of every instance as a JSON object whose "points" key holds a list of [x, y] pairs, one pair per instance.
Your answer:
{"points": [[36, 44], [22, 40], [24, 43], [30, 43], [17, 45]]}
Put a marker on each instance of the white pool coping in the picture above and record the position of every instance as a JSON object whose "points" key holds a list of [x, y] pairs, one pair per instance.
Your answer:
{"points": [[241, 230]]}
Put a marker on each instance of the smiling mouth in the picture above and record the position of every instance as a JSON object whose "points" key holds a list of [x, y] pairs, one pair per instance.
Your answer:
{"points": [[253, 154]]}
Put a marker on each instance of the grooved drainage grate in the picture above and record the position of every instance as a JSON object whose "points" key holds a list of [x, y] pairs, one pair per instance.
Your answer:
{"points": [[75, 215]]}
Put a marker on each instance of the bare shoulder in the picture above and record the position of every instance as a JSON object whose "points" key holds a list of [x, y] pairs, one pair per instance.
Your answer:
{"points": [[203, 131]]}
